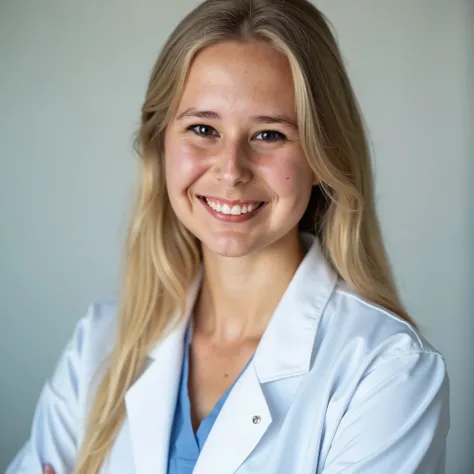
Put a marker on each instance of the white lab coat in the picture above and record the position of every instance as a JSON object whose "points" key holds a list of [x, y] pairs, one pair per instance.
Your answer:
{"points": [[337, 385]]}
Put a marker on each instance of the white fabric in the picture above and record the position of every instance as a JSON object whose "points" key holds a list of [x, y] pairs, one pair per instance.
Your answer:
{"points": [[337, 385]]}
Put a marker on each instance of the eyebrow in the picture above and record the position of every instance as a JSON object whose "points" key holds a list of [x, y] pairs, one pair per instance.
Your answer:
{"points": [[211, 115]]}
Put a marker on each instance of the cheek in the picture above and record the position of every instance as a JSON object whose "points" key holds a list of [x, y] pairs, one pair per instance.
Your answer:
{"points": [[289, 177], [184, 165]]}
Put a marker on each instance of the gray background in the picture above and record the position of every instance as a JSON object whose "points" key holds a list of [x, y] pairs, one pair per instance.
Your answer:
{"points": [[72, 78]]}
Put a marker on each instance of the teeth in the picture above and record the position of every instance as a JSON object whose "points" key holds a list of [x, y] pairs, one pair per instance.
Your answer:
{"points": [[235, 210]]}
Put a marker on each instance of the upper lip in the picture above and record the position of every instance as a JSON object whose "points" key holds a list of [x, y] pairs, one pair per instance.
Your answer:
{"points": [[232, 202]]}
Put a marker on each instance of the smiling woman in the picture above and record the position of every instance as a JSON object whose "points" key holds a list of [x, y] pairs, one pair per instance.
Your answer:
{"points": [[259, 328], [232, 148]]}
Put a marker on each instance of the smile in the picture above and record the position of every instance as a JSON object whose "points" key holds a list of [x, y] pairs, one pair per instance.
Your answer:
{"points": [[233, 211]]}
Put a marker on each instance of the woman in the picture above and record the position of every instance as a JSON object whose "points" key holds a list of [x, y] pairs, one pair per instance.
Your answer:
{"points": [[259, 329]]}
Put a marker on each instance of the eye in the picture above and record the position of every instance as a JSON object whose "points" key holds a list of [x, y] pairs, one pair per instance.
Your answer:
{"points": [[270, 136], [203, 130]]}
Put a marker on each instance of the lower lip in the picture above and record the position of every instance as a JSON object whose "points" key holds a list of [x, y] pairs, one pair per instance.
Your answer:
{"points": [[229, 217]]}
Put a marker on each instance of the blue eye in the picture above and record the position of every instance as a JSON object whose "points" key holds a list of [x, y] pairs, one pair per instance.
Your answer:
{"points": [[203, 130], [271, 136]]}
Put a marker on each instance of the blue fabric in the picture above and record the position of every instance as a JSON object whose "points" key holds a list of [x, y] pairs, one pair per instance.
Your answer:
{"points": [[185, 445]]}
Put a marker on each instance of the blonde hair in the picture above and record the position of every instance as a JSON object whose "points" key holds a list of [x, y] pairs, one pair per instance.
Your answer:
{"points": [[162, 257]]}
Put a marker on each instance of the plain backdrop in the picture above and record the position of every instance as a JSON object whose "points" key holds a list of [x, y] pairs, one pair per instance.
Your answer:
{"points": [[72, 78]]}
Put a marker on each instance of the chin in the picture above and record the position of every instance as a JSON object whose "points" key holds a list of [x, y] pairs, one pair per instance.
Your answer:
{"points": [[231, 246]]}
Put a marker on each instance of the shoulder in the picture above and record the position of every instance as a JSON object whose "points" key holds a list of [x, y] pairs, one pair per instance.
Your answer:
{"points": [[365, 352], [373, 327], [61, 411], [358, 338], [90, 344]]}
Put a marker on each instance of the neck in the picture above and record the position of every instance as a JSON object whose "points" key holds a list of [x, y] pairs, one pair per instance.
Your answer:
{"points": [[239, 295]]}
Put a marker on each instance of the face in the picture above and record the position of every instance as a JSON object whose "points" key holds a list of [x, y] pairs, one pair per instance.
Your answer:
{"points": [[235, 172]]}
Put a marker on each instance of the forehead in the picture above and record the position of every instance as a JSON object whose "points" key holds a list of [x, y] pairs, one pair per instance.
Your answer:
{"points": [[240, 74]]}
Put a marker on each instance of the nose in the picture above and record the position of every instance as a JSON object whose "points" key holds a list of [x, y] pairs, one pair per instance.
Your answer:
{"points": [[232, 164]]}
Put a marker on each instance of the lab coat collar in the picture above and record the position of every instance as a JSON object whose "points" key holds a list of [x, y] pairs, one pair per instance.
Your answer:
{"points": [[286, 347]]}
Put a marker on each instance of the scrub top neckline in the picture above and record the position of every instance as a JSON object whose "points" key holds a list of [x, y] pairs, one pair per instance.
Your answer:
{"points": [[200, 435]]}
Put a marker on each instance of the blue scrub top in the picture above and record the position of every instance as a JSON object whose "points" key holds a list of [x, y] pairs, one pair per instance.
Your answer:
{"points": [[185, 445]]}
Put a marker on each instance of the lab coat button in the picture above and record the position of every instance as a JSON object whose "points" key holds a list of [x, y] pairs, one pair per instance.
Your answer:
{"points": [[256, 420]]}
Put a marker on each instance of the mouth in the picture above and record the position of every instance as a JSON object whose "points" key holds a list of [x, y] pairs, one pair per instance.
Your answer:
{"points": [[232, 210]]}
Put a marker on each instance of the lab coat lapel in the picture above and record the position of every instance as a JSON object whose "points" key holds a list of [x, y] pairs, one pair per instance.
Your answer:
{"points": [[150, 404], [151, 401], [242, 422]]}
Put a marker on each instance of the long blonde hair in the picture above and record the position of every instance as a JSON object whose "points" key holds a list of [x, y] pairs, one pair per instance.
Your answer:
{"points": [[162, 257]]}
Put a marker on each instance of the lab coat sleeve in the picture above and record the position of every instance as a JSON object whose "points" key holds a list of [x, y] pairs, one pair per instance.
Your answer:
{"points": [[396, 421], [57, 418]]}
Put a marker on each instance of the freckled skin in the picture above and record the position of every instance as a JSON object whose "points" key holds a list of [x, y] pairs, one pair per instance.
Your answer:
{"points": [[232, 159]]}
